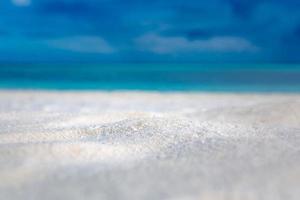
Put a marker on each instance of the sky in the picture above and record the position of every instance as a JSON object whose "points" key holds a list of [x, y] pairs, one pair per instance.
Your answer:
{"points": [[150, 31]]}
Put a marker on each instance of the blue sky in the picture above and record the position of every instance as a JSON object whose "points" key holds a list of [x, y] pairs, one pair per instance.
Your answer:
{"points": [[150, 31]]}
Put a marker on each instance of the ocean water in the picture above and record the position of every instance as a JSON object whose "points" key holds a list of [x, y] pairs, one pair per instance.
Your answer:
{"points": [[154, 76]]}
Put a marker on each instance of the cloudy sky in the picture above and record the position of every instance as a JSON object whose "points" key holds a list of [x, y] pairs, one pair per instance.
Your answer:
{"points": [[150, 31]]}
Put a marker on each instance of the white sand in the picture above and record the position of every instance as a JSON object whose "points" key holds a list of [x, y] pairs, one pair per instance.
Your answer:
{"points": [[135, 145]]}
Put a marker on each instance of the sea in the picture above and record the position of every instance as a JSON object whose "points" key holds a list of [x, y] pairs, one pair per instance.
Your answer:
{"points": [[235, 77]]}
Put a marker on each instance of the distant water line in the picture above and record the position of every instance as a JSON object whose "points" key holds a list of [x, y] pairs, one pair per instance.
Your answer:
{"points": [[160, 77]]}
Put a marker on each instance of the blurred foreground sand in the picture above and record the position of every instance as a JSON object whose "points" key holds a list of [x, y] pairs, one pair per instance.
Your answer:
{"points": [[139, 145]]}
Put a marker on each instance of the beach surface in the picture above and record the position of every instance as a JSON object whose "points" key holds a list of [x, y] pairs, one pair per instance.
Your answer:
{"points": [[149, 145]]}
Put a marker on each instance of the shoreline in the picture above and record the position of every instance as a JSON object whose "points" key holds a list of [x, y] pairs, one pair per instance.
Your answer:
{"points": [[150, 91]]}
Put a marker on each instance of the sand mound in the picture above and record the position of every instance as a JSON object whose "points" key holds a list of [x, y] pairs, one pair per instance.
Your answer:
{"points": [[148, 146]]}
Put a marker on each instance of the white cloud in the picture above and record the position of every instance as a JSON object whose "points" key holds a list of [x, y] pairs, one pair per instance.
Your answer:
{"points": [[166, 45], [21, 2], [86, 44]]}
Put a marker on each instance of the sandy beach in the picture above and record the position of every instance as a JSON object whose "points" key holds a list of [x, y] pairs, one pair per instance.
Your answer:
{"points": [[149, 145]]}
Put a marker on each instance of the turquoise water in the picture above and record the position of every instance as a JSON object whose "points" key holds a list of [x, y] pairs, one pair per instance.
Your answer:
{"points": [[160, 77]]}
